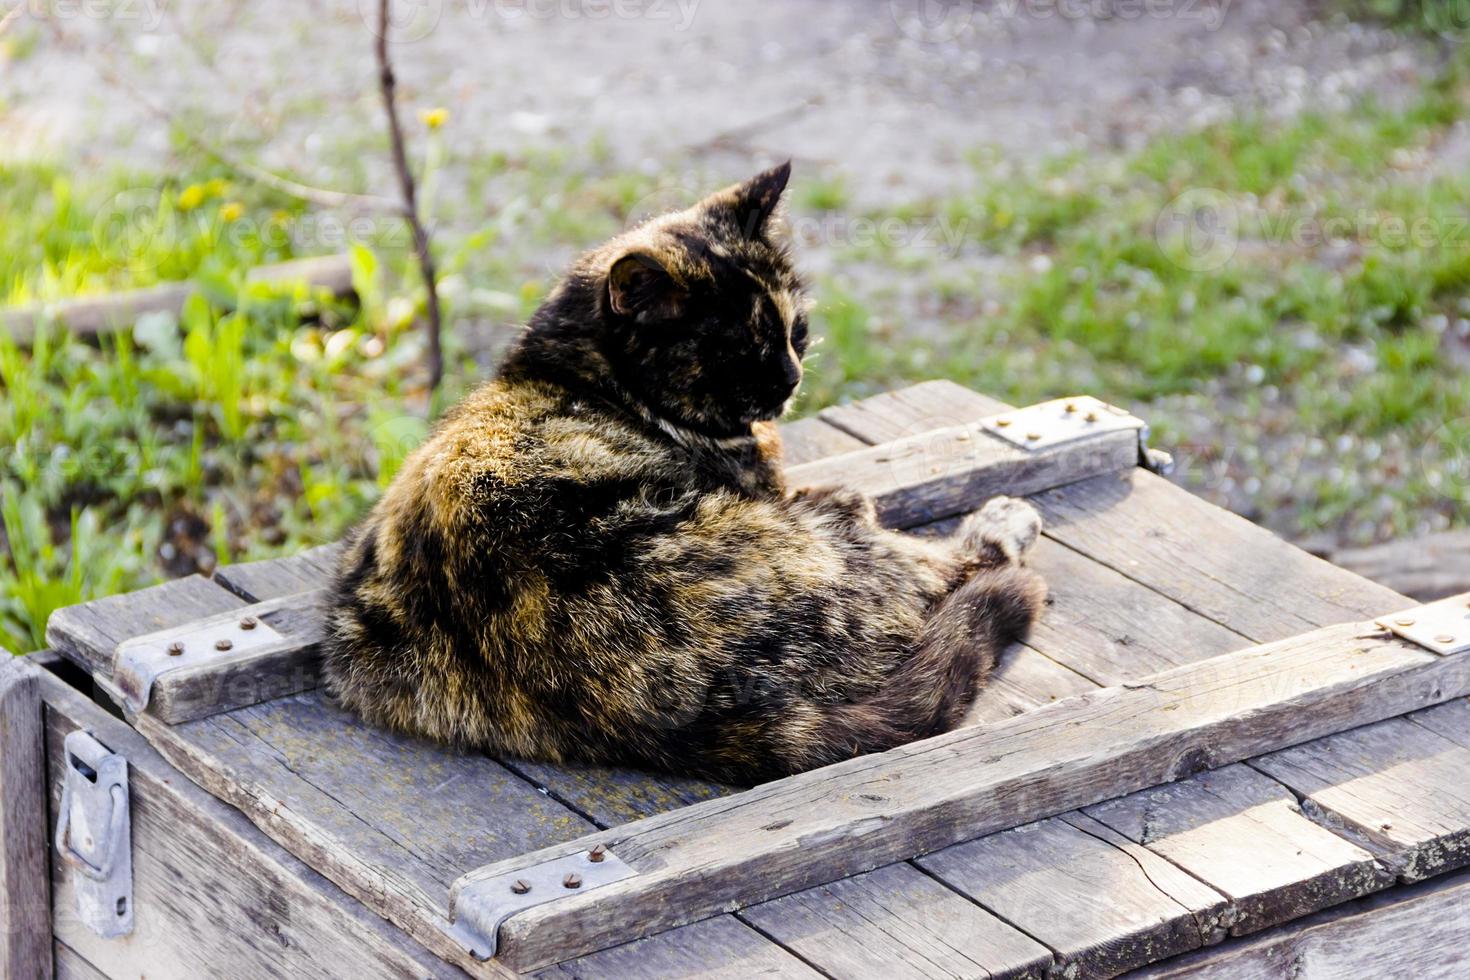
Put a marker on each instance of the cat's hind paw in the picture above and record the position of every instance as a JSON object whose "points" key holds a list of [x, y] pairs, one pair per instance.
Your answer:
{"points": [[1005, 525]]}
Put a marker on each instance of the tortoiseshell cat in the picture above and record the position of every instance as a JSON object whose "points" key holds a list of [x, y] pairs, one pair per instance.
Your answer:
{"points": [[595, 558]]}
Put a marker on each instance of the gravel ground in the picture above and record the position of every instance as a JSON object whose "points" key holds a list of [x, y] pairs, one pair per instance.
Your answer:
{"points": [[890, 95]]}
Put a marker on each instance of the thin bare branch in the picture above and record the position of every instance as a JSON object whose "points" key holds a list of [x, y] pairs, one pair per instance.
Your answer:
{"points": [[388, 86], [11, 16]]}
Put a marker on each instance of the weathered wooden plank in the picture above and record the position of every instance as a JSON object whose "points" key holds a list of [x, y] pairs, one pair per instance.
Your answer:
{"points": [[1419, 931], [935, 474], [1243, 834], [196, 683], [1426, 568], [355, 802], [88, 634], [1399, 788], [850, 817], [92, 315], [25, 902], [1236, 573], [1109, 628], [71, 966], [610, 796], [1209, 560], [211, 892], [275, 578], [899, 923], [1102, 903], [912, 410], [716, 949], [1025, 679], [805, 440], [391, 820]]}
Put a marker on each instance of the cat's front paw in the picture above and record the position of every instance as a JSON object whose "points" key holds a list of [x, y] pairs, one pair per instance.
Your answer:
{"points": [[1005, 524]]}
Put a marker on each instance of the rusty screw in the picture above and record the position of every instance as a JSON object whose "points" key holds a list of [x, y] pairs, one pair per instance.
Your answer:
{"points": [[1091, 416], [1033, 436], [1071, 408], [176, 649], [572, 880], [248, 623], [597, 854], [1002, 423], [1404, 622], [223, 644], [520, 886]]}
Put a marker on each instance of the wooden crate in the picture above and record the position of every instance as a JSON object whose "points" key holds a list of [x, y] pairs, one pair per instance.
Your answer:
{"points": [[1160, 768]]}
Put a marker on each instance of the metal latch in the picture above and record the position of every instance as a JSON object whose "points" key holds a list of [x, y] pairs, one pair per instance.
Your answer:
{"points": [[478, 909], [1441, 627], [94, 834], [139, 662], [1065, 420]]}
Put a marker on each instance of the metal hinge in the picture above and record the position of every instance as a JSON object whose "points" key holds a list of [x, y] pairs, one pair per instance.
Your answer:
{"points": [[1064, 420], [479, 907], [139, 662], [1441, 627], [94, 834]]}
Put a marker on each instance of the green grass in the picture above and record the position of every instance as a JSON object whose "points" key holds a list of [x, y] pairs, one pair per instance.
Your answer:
{"points": [[260, 421], [1104, 297]]}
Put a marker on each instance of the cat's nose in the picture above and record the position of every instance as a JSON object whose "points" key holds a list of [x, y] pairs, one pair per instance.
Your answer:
{"points": [[791, 372]]}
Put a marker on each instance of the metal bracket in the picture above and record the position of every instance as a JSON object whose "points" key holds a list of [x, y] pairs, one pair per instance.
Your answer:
{"points": [[141, 661], [1065, 420], [481, 906], [94, 834], [1441, 627]]}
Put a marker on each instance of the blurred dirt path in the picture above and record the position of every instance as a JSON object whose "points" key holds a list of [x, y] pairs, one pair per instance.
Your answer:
{"points": [[893, 93]]}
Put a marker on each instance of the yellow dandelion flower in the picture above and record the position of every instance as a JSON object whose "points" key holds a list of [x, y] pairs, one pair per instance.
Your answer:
{"points": [[434, 118], [232, 211], [191, 197]]}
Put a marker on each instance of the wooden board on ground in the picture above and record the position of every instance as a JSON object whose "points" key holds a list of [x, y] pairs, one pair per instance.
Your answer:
{"points": [[1399, 787], [25, 902], [1420, 932], [852, 816], [1101, 903], [1426, 568], [1243, 834], [897, 923], [113, 311]]}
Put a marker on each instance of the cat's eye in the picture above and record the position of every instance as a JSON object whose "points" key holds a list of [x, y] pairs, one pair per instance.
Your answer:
{"points": [[799, 335]]}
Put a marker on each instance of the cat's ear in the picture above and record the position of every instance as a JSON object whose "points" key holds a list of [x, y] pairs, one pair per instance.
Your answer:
{"points": [[754, 201], [639, 285]]}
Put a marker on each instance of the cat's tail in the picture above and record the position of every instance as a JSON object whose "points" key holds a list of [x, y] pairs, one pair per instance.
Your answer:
{"points": [[931, 691]]}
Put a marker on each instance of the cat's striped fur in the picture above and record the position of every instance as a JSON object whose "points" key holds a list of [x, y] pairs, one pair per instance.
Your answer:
{"points": [[594, 556]]}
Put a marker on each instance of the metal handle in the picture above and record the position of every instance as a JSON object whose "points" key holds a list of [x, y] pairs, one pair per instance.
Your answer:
{"points": [[116, 829]]}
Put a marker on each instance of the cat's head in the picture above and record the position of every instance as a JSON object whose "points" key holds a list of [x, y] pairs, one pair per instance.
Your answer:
{"points": [[703, 317]]}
